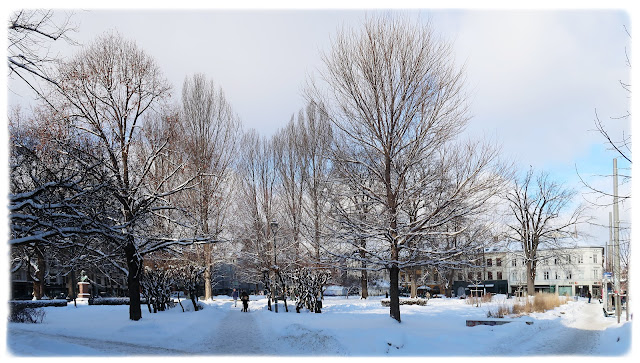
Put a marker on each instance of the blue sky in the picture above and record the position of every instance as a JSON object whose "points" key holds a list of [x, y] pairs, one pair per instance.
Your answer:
{"points": [[535, 77]]}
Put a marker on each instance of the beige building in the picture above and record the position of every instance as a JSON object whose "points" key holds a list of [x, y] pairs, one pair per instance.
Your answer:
{"points": [[567, 271]]}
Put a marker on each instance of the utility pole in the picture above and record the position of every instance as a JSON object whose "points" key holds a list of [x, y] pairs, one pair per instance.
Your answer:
{"points": [[607, 265], [616, 237]]}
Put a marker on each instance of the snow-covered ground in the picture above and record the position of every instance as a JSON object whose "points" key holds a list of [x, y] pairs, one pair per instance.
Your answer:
{"points": [[346, 327]]}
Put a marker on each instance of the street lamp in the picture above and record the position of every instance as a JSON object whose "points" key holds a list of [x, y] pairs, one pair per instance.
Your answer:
{"points": [[274, 229]]}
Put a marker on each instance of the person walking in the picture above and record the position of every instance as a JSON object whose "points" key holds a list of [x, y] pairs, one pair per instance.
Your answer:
{"points": [[234, 294], [589, 296], [245, 301]]}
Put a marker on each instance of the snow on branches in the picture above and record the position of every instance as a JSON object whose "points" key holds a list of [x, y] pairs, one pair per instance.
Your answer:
{"points": [[156, 287], [307, 287]]}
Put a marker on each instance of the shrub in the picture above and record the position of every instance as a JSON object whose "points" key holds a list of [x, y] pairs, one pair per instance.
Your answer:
{"points": [[486, 297], [501, 311], [416, 301], [545, 301], [476, 300], [540, 303], [37, 303], [113, 301], [20, 313]]}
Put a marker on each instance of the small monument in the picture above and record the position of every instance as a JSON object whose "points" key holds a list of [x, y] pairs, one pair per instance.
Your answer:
{"points": [[83, 287]]}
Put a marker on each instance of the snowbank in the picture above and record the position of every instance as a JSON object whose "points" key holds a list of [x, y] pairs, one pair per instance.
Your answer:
{"points": [[346, 327]]}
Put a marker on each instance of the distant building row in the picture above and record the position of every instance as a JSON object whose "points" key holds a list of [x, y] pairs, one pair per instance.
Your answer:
{"points": [[568, 271]]}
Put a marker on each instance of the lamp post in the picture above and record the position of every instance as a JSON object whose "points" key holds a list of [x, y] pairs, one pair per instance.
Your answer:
{"points": [[274, 228]]}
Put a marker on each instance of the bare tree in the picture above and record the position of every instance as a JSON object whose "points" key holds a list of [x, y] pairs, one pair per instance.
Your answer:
{"points": [[257, 209], [396, 100], [291, 165], [31, 33], [57, 200], [210, 137], [317, 140], [538, 206], [105, 91]]}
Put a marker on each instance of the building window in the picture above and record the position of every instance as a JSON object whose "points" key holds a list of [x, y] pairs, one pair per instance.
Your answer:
{"points": [[557, 275], [514, 262], [470, 276], [596, 274], [499, 277], [498, 262], [568, 275], [489, 263], [459, 276], [489, 275], [479, 275], [546, 275], [595, 258], [555, 261], [514, 276], [580, 259]]}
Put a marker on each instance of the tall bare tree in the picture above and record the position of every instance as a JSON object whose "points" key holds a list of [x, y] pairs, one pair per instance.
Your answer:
{"points": [[317, 139], [396, 100], [105, 91], [256, 203], [211, 130], [542, 215]]}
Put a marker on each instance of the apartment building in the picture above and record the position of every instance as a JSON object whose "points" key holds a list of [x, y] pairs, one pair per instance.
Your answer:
{"points": [[567, 271]]}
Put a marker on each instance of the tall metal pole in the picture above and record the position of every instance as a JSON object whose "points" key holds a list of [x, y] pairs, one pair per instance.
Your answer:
{"points": [[616, 237], [607, 265]]}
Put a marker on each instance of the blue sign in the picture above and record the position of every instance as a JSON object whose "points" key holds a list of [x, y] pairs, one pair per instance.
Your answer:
{"points": [[606, 275]]}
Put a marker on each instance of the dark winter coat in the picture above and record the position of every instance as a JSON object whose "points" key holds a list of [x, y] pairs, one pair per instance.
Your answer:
{"points": [[244, 297], [234, 295]]}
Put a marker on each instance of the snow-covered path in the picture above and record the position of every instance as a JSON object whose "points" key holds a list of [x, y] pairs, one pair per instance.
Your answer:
{"points": [[236, 334], [577, 334], [347, 327], [40, 343]]}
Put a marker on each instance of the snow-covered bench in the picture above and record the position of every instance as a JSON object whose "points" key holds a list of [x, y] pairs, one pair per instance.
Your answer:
{"points": [[496, 321]]}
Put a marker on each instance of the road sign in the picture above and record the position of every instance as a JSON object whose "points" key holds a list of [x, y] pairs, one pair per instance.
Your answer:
{"points": [[607, 275]]}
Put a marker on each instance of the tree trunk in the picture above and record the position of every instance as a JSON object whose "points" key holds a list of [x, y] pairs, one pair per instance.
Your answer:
{"points": [[364, 288], [394, 293], [414, 283], [72, 284], [38, 283], [208, 293], [530, 280], [134, 264]]}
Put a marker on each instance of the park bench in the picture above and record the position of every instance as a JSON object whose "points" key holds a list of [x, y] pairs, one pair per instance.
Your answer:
{"points": [[606, 313], [497, 321]]}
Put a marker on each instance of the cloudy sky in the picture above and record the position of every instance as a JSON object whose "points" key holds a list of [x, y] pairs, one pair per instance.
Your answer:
{"points": [[536, 78]]}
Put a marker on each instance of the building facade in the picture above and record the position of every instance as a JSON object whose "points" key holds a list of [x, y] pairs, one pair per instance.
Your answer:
{"points": [[565, 271]]}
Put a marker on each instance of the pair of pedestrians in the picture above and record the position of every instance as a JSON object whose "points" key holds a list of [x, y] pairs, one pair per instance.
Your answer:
{"points": [[244, 298]]}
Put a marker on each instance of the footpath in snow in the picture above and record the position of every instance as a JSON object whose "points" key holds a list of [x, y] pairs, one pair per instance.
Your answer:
{"points": [[236, 334], [346, 327]]}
